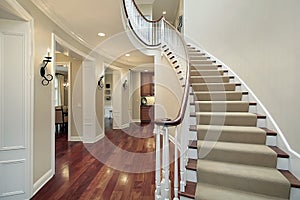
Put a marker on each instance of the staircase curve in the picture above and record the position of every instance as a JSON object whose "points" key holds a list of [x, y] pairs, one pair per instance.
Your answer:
{"points": [[227, 152]]}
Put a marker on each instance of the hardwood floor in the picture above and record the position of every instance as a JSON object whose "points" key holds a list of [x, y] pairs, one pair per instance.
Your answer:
{"points": [[80, 175]]}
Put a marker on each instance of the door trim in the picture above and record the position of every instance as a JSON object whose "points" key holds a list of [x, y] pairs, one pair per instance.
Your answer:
{"points": [[30, 105], [56, 38]]}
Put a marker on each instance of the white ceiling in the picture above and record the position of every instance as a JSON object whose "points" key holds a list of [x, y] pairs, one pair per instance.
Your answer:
{"points": [[87, 18]]}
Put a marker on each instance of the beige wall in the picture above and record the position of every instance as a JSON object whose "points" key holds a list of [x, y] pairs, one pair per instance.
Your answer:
{"points": [[168, 90], [146, 9], [136, 95], [259, 40], [43, 28]]}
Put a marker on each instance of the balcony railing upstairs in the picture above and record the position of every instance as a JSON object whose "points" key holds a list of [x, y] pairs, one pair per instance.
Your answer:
{"points": [[160, 33]]}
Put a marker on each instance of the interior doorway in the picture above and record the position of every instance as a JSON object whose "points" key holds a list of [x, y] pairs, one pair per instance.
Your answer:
{"points": [[112, 98], [62, 97]]}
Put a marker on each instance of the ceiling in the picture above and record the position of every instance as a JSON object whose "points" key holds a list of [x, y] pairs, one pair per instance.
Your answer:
{"points": [[85, 19]]}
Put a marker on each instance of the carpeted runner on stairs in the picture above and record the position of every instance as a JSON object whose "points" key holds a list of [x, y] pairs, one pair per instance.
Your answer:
{"points": [[233, 161]]}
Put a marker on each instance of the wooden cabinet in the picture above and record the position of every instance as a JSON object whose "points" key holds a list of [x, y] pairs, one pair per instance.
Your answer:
{"points": [[147, 85], [147, 114]]}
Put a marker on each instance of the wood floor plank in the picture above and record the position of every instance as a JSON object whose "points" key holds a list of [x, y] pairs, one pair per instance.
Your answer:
{"points": [[80, 175]]}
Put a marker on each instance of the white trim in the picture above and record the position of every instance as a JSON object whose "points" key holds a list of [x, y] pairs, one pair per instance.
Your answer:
{"points": [[20, 10], [75, 139], [59, 40], [72, 48], [43, 7], [42, 181], [135, 121], [30, 105], [69, 95], [125, 126], [94, 140]]}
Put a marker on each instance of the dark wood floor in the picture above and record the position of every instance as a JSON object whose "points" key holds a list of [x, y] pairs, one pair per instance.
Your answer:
{"points": [[80, 175]]}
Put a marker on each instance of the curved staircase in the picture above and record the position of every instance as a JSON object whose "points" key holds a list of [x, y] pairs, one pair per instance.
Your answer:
{"points": [[229, 158]]}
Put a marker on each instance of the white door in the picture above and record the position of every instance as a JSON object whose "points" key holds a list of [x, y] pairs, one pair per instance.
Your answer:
{"points": [[15, 111]]}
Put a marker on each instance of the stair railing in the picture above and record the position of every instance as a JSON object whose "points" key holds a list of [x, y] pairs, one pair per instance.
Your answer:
{"points": [[160, 33]]}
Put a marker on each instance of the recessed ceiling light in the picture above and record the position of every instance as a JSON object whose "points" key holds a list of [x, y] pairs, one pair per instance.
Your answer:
{"points": [[127, 54], [101, 34], [146, 70], [164, 12]]}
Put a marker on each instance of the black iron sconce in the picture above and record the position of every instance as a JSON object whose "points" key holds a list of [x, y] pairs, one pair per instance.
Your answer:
{"points": [[48, 77], [125, 84], [100, 83]]}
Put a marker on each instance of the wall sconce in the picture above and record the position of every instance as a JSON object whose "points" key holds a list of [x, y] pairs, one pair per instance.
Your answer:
{"points": [[125, 84], [48, 77], [100, 83]]}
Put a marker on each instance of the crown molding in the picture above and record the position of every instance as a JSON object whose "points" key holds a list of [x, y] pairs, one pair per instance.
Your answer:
{"points": [[45, 9]]}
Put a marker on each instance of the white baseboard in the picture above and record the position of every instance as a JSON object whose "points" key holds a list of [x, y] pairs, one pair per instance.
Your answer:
{"points": [[94, 140], [136, 121], [99, 137], [42, 181], [125, 125], [75, 139]]}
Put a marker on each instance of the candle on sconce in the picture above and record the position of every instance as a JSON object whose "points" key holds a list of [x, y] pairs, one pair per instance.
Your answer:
{"points": [[48, 52]]}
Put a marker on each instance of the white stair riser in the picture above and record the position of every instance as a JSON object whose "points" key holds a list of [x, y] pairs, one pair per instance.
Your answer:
{"points": [[260, 122], [295, 193], [185, 198], [270, 140]]}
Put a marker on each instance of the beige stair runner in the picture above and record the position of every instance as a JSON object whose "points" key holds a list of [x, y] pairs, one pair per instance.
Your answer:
{"points": [[233, 161]]}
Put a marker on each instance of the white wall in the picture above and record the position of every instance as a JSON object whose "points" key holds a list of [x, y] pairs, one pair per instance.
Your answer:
{"points": [[259, 40]]}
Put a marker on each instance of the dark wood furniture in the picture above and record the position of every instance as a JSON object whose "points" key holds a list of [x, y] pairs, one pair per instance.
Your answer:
{"points": [[147, 84], [147, 114]]}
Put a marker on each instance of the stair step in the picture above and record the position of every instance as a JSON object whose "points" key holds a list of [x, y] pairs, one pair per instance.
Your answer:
{"points": [[199, 57], [208, 72], [205, 67], [214, 86], [292, 179], [219, 95], [222, 106], [208, 191], [196, 53], [210, 79], [239, 153], [226, 118], [262, 180], [250, 135], [279, 153], [193, 62], [268, 131], [190, 190]]}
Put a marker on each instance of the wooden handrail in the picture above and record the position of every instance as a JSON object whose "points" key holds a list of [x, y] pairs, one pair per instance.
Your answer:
{"points": [[184, 100], [179, 118], [150, 21]]}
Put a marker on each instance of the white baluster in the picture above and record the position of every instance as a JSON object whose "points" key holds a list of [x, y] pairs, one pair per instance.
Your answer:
{"points": [[182, 165], [176, 166], [157, 166], [167, 165]]}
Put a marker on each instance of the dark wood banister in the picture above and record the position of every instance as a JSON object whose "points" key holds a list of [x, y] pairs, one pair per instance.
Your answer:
{"points": [[150, 21], [185, 97], [184, 101]]}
